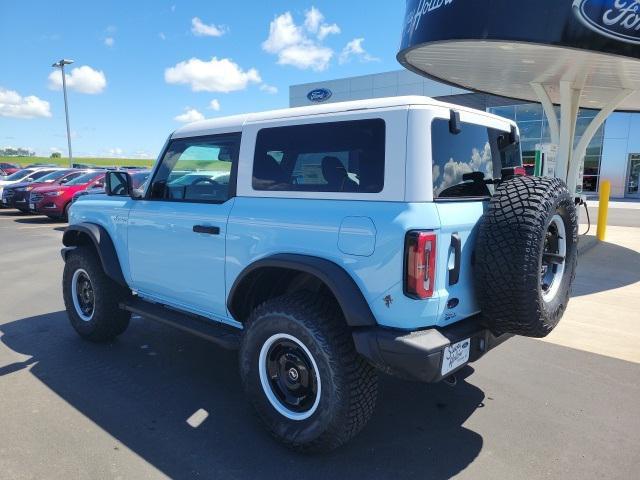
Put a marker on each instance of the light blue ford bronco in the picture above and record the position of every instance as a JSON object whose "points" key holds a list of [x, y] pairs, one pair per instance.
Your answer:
{"points": [[327, 243]]}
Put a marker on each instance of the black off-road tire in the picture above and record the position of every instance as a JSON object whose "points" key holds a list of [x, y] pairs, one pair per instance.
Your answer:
{"points": [[108, 320], [508, 259], [349, 383]]}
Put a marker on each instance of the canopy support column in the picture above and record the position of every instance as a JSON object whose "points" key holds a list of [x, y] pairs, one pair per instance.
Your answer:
{"points": [[589, 133], [569, 104], [550, 112]]}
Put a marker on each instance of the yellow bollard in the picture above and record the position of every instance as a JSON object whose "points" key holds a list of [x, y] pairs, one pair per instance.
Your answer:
{"points": [[603, 209]]}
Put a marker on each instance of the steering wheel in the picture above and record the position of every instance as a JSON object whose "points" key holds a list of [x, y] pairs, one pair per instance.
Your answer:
{"points": [[210, 181]]}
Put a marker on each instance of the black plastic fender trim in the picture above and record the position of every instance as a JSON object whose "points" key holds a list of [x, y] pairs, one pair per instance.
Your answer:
{"points": [[103, 244], [353, 304]]}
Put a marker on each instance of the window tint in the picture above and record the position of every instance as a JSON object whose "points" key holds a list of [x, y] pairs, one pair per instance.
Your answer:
{"points": [[321, 157], [197, 169], [462, 162]]}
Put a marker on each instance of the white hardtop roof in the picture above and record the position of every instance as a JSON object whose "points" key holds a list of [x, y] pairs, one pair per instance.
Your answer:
{"points": [[235, 122]]}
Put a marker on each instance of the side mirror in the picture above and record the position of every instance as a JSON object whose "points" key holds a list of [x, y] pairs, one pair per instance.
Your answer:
{"points": [[118, 183]]}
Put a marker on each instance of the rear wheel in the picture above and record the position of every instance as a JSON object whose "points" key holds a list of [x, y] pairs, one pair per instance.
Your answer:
{"points": [[302, 374], [91, 297]]}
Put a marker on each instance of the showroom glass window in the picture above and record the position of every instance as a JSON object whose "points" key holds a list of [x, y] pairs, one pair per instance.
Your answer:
{"points": [[321, 157], [461, 162], [534, 129]]}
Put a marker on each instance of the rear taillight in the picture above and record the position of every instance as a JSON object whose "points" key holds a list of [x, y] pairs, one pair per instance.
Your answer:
{"points": [[520, 171], [420, 264]]}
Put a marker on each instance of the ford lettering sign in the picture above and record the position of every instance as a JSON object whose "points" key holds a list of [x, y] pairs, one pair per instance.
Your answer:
{"points": [[319, 95], [616, 19]]}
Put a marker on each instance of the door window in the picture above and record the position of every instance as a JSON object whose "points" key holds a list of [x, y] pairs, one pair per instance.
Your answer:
{"points": [[197, 169]]}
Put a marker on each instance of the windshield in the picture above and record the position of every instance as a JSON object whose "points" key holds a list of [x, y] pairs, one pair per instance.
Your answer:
{"points": [[86, 178], [50, 177], [20, 174], [195, 177]]}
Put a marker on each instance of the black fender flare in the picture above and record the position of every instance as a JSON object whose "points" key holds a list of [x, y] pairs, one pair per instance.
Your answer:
{"points": [[351, 300], [76, 234]]}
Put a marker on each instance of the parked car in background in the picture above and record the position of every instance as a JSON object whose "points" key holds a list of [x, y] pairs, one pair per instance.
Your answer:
{"points": [[138, 178], [54, 200], [7, 169], [26, 175], [17, 196]]}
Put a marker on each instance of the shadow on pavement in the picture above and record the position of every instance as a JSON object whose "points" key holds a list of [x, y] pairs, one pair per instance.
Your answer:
{"points": [[37, 220], [607, 266], [143, 387]]}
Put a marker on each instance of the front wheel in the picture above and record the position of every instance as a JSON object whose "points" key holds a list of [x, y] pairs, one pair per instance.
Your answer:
{"points": [[91, 297], [302, 374]]}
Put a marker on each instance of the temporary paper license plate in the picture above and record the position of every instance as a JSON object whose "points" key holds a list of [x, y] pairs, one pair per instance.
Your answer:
{"points": [[455, 355], [32, 206]]}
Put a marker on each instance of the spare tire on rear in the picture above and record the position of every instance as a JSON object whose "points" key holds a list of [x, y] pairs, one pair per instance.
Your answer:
{"points": [[526, 256]]}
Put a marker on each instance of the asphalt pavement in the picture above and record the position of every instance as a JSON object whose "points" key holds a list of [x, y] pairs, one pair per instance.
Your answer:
{"points": [[71, 409]]}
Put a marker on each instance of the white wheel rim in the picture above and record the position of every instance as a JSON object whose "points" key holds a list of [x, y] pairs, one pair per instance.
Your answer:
{"points": [[554, 277], [266, 385], [74, 295]]}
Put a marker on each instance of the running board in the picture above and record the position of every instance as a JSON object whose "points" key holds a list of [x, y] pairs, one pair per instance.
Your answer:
{"points": [[220, 334]]}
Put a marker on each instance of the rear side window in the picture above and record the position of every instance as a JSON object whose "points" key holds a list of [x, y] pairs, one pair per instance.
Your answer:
{"points": [[321, 157], [463, 162]]}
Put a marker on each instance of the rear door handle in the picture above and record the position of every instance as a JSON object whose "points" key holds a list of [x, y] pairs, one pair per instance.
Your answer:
{"points": [[454, 273], [209, 230]]}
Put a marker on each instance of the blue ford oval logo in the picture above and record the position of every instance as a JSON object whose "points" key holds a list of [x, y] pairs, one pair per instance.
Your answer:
{"points": [[319, 95], [616, 19]]}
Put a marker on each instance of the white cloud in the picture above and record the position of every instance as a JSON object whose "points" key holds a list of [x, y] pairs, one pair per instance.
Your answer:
{"points": [[116, 152], [270, 89], [214, 105], [312, 19], [354, 49], [82, 79], [326, 30], [189, 115], [109, 41], [211, 76], [313, 22], [12, 104], [200, 29], [295, 45], [452, 172]]}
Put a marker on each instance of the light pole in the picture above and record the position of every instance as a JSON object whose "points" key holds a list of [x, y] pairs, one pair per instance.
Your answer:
{"points": [[60, 64]]}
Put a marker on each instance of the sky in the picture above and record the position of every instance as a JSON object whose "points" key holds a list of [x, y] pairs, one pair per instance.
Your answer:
{"points": [[144, 68]]}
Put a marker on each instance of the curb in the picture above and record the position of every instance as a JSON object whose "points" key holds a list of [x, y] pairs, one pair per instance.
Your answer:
{"points": [[586, 243]]}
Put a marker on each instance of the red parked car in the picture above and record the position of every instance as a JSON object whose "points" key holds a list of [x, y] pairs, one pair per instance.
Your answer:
{"points": [[54, 201], [7, 169]]}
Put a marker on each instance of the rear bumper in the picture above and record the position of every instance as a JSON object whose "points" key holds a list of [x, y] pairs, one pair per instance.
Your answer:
{"points": [[419, 355]]}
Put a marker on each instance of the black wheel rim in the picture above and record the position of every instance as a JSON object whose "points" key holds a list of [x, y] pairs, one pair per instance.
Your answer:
{"points": [[84, 294], [292, 377], [553, 258]]}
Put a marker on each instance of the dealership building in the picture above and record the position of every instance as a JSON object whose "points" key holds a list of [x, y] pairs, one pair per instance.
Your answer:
{"points": [[613, 153]]}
